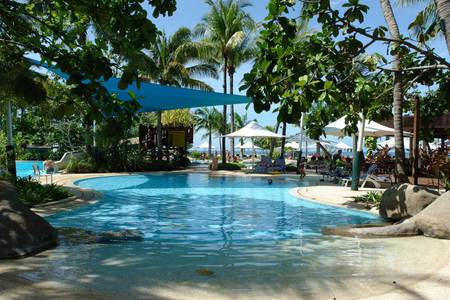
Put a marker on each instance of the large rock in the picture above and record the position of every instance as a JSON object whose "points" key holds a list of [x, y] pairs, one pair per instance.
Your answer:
{"points": [[76, 236], [405, 200], [434, 221], [22, 232], [120, 236]]}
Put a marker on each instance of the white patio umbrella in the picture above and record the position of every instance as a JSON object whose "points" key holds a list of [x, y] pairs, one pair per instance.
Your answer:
{"points": [[391, 143], [247, 145], [205, 145], [342, 146], [294, 145], [253, 130], [371, 128]]}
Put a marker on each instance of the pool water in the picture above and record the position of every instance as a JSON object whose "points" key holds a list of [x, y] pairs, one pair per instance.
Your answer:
{"points": [[24, 168], [242, 230]]}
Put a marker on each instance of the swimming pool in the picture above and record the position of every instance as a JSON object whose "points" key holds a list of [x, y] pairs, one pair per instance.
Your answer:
{"points": [[248, 235], [24, 168]]}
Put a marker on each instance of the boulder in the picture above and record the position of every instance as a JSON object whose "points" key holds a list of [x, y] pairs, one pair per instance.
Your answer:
{"points": [[76, 236], [22, 232], [405, 200], [434, 221], [120, 236]]}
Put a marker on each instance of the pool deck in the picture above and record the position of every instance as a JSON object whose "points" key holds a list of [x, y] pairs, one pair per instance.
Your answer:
{"points": [[427, 277]]}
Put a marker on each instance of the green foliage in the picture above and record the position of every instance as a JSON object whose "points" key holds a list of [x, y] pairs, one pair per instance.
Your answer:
{"points": [[231, 166], [31, 192], [291, 168], [446, 181], [345, 79], [2, 149], [177, 118], [371, 144], [370, 199], [195, 154], [81, 166], [57, 31]]}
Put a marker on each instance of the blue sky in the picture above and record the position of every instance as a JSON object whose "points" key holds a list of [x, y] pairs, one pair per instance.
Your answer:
{"points": [[190, 12]]}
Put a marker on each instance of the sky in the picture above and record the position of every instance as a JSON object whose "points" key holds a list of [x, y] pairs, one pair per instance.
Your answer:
{"points": [[190, 12]]}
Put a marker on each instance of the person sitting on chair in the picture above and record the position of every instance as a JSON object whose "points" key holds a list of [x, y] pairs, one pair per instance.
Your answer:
{"points": [[49, 166]]}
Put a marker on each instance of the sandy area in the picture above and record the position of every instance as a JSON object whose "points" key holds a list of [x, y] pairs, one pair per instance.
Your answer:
{"points": [[400, 268]]}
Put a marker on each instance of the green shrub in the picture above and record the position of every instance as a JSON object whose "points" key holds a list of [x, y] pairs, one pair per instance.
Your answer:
{"points": [[31, 192], [291, 168], [370, 199], [230, 166], [195, 154], [80, 166]]}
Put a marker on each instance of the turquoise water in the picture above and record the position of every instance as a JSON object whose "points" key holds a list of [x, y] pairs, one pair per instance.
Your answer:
{"points": [[244, 230], [24, 168]]}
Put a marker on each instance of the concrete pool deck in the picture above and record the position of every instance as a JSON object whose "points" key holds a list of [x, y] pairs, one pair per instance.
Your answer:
{"points": [[414, 267]]}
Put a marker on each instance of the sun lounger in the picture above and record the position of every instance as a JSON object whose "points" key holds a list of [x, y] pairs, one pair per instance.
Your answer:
{"points": [[369, 176], [264, 165], [279, 165]]}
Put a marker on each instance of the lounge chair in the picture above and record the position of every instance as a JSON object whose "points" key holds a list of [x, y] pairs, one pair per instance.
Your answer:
{"points": [[370, 176], [264, 165], [278, 165], [37, 174]]}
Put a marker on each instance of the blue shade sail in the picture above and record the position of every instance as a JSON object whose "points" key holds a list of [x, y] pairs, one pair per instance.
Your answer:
{"points": [[155, 97]]}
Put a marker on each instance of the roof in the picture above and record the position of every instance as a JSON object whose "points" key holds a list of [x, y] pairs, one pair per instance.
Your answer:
{"points": [[155, 97]]}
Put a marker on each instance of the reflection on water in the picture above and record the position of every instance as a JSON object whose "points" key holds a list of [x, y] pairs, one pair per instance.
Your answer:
{"points": [[242, 229]]}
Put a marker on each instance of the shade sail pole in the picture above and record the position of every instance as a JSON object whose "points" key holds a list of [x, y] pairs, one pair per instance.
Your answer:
{"points": [[10, 151], [358, 155]]}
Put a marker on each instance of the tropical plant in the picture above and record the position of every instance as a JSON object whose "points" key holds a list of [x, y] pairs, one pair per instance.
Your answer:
{"points": [[371, 199], [225, 27], [176, 61], [30, 192], [208, 119]]}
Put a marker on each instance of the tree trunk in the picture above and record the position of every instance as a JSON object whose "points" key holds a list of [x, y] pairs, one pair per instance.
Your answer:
{"points": [[398, 94], [232, 112], [242, 149], [443, 11], [10, 151], [159, 135], [209, 142], [272, 144], [283, 139], [224, 124]]}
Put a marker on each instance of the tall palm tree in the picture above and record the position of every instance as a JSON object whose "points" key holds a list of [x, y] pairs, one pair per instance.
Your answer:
{"points": [[397, 92], [240, 122], [241, 54], [176, 61], [225, 26], [208, 119]]}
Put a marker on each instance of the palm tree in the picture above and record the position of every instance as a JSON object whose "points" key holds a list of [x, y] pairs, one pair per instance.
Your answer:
{"points": [[208, 119], [225, 26], [241, 121], [176, 61], [434, 18], [241, 54], [397, 92]]}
